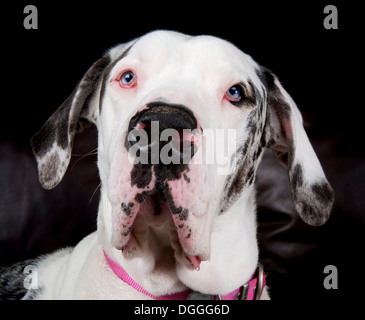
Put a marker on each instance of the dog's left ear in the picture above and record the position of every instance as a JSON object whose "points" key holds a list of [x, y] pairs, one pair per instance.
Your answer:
{"points": [[52, 145], [285, 135]]}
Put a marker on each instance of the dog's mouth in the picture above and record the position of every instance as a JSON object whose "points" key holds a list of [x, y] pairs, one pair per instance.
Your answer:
{"points": [[155, 220]]}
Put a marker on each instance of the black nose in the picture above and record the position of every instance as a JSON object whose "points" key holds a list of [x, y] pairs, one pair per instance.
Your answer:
{"points": [[162, 134]]}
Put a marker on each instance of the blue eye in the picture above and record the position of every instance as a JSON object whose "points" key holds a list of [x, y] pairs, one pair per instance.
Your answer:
{"points": [[128, 79], [234, 93]]}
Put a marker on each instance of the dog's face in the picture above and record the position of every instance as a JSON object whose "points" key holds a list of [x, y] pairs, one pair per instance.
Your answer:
{"points": [[183, 122], [177, 83]]}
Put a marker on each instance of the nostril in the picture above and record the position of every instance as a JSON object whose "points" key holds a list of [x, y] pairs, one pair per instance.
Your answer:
{"points": [[184, 138], [190, 135], [140, 126]]}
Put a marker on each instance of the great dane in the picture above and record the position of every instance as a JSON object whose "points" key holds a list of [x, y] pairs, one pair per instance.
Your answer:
{"points": [[184, 228]]}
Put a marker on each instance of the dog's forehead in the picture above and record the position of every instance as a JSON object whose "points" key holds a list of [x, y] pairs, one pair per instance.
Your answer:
{"points": [[206, 53]]}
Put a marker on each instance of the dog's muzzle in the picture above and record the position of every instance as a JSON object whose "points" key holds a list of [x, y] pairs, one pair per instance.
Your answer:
{"points": [[163, 133], [161, 139]]}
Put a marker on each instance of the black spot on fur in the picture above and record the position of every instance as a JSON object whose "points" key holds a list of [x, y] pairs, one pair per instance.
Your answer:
{"points": [[165, 194], [235, 183], [252, 123], [126, 233], [275, 98], [250, 173], [257, 153], [141, 175], [251, 180], [266, 77], [184, 214], [172, 171], [127, 208], [288, 158], [242, 150], [186, 178], [323, 193], [140, 197], [297, 178], [278, 108], [312, 202], [252, 98], [309, 212], [43, 141]]}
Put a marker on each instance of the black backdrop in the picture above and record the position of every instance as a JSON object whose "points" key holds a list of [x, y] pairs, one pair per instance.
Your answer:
{"points": [[317, 66], [322, 70]]}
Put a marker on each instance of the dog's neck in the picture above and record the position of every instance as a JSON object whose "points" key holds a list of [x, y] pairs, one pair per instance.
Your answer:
{"points": [[158, 272]]}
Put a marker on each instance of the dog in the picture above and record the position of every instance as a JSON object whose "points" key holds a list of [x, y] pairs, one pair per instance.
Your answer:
{"points": [[186, 228]]}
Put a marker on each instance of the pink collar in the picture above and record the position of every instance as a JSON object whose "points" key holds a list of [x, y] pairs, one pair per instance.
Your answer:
{"points": [[246, 292]]}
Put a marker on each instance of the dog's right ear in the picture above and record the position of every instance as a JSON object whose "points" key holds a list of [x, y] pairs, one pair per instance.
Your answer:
{"points": [[52, 145]]}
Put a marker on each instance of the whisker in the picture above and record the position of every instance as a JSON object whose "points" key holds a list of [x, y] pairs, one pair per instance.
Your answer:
{"points": [[94, 151], [90, 153], [96, 189]]}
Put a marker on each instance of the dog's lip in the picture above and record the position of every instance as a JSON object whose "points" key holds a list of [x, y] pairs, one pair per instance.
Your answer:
{"points": [[194, 261], [127, 247]]}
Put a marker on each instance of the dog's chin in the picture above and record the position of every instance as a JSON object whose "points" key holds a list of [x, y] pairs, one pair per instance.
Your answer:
{"points": [[154, 229]]}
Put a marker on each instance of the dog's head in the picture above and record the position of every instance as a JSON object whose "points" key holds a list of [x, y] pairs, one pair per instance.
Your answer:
{"points": [[183, 122]]}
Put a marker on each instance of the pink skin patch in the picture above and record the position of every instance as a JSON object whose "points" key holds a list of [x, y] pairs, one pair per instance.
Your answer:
{"points": [[190, 217], [288, 129], [192, 222], [194, 261], [126, 199], [124, 222], [140, 126]]}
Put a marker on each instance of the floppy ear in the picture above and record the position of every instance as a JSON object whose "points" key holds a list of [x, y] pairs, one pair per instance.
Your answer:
{"points": [[52, 145], [285, 135]]}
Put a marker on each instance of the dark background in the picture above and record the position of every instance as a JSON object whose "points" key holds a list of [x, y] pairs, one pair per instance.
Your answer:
{"points": [[322, 70]]}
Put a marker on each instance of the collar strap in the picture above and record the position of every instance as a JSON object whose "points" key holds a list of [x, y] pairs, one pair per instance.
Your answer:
{"points": [[252, 290]]}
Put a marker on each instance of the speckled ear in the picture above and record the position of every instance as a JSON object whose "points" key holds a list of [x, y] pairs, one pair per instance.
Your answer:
{"points": [[52, 145], [285, 135]]}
